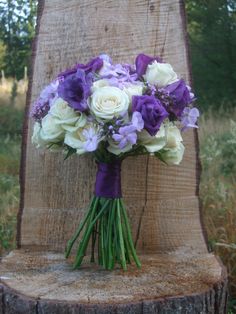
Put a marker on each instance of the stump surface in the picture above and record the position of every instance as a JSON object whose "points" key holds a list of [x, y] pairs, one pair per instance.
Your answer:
{"points": [[178, 282]]}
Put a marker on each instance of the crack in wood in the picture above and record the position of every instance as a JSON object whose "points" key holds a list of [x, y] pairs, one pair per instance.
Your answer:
{"points": [[166, 30], [145, 202]]}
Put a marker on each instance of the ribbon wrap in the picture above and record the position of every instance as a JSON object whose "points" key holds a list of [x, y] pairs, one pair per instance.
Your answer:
{"points": [[108, 180]]}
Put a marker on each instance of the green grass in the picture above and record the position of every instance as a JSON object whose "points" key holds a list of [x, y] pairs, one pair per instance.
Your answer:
{"points": [[218, 189], [10, 139]]}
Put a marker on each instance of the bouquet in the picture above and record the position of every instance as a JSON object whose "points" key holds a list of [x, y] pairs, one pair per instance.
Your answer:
{"points": [[113, 111]]}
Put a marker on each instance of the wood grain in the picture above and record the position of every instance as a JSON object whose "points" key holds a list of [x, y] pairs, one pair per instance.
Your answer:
{"points": [[167, 283]]}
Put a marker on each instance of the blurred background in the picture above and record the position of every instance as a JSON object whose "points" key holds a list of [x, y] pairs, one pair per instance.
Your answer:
{"points": [[212, 40]]}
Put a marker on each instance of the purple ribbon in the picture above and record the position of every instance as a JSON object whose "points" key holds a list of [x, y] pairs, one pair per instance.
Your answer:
{"points": [[108, 180]]}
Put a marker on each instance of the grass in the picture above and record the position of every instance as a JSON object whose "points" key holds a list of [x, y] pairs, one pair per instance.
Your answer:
{"points": [[13, 93], [217, 134], [11, 117]]}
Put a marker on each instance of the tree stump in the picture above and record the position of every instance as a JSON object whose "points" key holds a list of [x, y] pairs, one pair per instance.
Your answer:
{"points": [[178, 274]]}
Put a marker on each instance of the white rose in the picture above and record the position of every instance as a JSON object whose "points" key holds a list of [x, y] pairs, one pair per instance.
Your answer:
{"points": [[160, 74], [173, 156], [173, 151], [133, 90], [153, 143], [36, 137], [98, 84], [67, 117], [51, 131], [78, 140], [115, 149], [174, 137], [109, 102]]}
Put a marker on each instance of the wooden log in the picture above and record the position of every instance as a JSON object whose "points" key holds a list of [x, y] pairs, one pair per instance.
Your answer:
{"points": [[163, 202], [178, 274], [167, 283]]}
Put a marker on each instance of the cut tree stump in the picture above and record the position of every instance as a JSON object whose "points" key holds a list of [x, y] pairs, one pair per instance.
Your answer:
{"points": [[178, 274]]}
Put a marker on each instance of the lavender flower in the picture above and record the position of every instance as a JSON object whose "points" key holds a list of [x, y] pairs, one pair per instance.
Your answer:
{"points": [[126, 136], [75, 90], [137, 121], [40, 110], [105, 58], [91, 138], [151, 89], [118, 75], [43, 103], [189, 118], [49, 92], [110, 70]]}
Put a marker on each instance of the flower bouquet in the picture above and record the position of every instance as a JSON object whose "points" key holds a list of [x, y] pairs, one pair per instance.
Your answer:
{"points": [[113, 111]]}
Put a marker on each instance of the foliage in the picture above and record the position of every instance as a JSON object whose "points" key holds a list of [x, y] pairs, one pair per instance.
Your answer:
{"points": [[12, 90], [9, 191], [10, 121], [10, 139], [217, 189], [17, 23], [220, 149], [2, 55], [212, 32]]}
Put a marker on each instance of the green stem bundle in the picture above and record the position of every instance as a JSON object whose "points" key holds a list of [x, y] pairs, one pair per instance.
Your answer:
{"points": [[106, 223]]}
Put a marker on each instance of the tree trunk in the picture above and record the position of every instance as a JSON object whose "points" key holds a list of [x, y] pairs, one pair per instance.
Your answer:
{"points": [[178, 274]]}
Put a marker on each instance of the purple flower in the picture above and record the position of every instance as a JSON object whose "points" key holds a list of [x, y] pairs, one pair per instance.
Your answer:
{"points": [[137, 121], [126, 135], [189, 118], [142, 61], [118, 75], [40, 110], [49, 92], [105, 58], [152, 111], [109, 70], [75, 89], [91, 137], [92, 66], [180, 94], [42, 104]]}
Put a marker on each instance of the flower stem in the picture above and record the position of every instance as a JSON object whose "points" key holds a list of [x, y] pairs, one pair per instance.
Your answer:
{"points": [[121, 240], [71, 242], [107, 222], [129, 236], [111, 260], [84, 242]]}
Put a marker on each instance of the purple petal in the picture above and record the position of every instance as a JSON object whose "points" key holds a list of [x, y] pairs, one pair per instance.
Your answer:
{"points": [[91, 144], [132, 138], [117, 137], [137, 121], [142, 61], [123, 143]]}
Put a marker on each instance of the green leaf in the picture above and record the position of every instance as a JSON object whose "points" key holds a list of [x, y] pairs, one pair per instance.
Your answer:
{"points": [[70, 152]]}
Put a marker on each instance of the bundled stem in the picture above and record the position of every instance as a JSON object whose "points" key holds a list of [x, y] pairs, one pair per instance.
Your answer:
{"points": [[106, 223]]}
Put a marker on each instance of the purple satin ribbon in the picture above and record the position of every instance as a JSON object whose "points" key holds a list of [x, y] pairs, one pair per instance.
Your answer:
{"points": [[108, 180]]}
